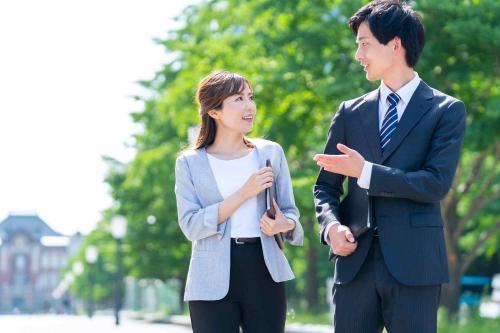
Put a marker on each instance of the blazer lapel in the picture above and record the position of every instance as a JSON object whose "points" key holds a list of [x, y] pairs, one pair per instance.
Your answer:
{"points": [[260, 154], [418, 106], [368, 113], [207, 178]]}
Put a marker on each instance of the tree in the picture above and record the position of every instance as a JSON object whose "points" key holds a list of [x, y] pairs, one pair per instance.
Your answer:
{"points": [[462, 59], [95, 281]]}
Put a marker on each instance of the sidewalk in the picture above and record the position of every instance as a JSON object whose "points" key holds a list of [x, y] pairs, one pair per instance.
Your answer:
{"points": [[290, 328]]}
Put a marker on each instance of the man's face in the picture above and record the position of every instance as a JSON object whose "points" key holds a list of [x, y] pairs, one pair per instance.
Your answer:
{"points": [[377, 59]]}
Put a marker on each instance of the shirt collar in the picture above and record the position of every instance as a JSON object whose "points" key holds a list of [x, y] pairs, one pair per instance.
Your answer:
{"points": [[405, 92]]}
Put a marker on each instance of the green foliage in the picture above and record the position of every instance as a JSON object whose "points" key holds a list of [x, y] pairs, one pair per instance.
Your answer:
{"points": [[461, 58], [479, 224]]}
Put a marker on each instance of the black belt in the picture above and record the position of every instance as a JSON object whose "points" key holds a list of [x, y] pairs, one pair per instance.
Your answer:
{"points": [[243, 240]]}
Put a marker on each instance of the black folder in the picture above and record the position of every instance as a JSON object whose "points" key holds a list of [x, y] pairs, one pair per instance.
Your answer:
{"points": [[271, 212]]}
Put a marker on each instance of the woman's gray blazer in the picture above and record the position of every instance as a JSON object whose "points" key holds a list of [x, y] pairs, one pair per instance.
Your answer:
{"points": [[198, 201]]}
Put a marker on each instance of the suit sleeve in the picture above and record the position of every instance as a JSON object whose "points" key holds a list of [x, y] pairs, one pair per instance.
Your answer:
{"points": [[434, 179], [196, 222], [328, 188]]}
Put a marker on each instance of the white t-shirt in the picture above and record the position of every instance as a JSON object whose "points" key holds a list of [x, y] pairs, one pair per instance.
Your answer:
{"points": [[230, 175]]}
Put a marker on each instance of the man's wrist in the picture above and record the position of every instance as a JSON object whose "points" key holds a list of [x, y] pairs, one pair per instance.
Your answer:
{"points": [[359, 170], [365, 177], [326, 237]]}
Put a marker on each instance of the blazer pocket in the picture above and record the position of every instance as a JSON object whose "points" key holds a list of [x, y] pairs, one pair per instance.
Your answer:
{"points": [[426, 220]]}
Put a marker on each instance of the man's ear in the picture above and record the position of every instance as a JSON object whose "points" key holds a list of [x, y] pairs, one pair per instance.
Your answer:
{"points": [[397, 43], [214, 114]]}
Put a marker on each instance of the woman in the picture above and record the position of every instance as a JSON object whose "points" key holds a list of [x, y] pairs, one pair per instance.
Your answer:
{"points": [[237, 271]]}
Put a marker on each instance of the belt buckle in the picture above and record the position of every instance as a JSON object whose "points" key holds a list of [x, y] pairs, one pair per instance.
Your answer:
{"points": [[237, 241]]}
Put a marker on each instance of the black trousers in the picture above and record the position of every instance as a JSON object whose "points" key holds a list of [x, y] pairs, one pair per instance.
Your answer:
{"points": [[374, 300], [254, 301]]}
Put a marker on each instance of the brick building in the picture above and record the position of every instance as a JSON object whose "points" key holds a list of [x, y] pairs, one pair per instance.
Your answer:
{"points": [[32, 258]]}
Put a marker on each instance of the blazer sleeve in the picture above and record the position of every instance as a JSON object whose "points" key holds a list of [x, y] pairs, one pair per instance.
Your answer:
{"points": [[328, 188], [434, 179], [286, 201], [196, 222]]}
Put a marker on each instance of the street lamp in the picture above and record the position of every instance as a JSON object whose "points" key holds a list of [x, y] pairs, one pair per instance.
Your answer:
{"points": [[69, 278], [151, 219], [118, 230], [91, 255], [77, 268]]}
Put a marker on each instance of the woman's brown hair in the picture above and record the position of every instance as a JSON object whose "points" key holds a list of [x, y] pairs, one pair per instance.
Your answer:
{"points": [[212, 91]]}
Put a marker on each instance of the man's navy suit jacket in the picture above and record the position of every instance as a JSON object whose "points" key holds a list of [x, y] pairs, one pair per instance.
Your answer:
{"points": [[408, 180]]}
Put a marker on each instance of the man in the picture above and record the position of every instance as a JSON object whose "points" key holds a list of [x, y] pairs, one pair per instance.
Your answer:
{"points": [[399, 147]]}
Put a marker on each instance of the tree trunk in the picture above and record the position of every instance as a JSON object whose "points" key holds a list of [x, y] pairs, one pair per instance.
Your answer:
{"points": [[312, 287], [451, 291]]}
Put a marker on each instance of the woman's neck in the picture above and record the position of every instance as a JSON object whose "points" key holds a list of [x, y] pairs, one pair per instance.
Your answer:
{"points": [[228, 145]]}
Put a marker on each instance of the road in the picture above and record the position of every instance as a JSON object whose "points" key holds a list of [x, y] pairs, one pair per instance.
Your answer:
{"points": [[81, 324]]}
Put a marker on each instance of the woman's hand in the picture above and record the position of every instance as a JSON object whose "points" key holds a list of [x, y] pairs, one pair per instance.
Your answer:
{"points": [[279, 224], [258, 181]]}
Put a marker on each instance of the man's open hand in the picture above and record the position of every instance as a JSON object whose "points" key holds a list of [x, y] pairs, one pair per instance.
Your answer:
{"points": [[349, 164]]}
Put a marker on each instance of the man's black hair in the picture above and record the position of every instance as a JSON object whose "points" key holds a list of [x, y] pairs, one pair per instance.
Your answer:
{"points": [[391, 18]]}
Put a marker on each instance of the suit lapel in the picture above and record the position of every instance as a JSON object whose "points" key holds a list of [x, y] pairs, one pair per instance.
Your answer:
{"points": [[419, 104], [368, 113]]}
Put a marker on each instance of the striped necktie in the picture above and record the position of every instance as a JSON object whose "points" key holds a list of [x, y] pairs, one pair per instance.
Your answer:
{"points": [[390, 121]]}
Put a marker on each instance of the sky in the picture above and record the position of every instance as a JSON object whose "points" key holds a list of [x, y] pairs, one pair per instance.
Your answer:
{"points": [[67, 71]]}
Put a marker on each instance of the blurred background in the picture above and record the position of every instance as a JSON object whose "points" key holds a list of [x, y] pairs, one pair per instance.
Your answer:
{"points": [[97, 99]]}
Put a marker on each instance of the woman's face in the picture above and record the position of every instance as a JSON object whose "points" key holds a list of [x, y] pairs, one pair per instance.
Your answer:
{"points": [[237, 113]]}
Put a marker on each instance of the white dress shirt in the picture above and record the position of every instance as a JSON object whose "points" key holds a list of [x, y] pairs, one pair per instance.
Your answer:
{"points": [[405, 93]]}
